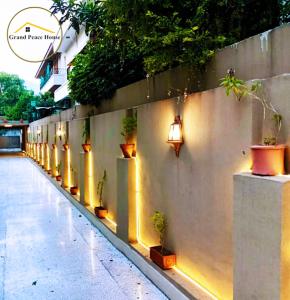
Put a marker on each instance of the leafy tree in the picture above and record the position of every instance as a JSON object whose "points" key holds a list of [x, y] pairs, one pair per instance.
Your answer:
{"points": [[11, 88], [130, 38], [15, 98], [99, 71]]}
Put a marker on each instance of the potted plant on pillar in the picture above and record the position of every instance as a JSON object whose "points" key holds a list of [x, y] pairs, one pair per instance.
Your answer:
{"points": [[100, 211], [267, 158], [129, 126], [74, 189], [58, 170], [159, 254], [86, 135]]}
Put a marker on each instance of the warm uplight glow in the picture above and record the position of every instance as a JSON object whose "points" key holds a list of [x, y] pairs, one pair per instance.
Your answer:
{"points": [[28, 130], [140, 242], [195, 283], [47, 158], [175, 135], [38, 131], [111, 221], [69, 170], [137, 198], [7, 125], [90, 177]]}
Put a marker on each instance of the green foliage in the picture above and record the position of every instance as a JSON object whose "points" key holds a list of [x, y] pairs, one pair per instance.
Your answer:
{"points": [[15, 98], [235, 85], [86, 131], [130, 38], [100, 188], [160, 225], [129, 126], [99, 71], [255, 92]]}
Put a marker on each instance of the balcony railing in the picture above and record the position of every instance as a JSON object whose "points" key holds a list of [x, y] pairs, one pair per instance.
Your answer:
{"points": [[54, 71]]}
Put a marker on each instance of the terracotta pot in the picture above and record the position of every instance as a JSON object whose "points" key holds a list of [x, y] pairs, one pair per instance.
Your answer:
{"points": [[53, 146], [101, 212], [165, 260], [74, 190], [128, 150], [65, 146], [86, 147], [268, 160], [58, 177]]}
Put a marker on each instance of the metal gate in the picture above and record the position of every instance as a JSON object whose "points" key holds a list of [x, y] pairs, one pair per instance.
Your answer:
{"points": [[10, 142]]}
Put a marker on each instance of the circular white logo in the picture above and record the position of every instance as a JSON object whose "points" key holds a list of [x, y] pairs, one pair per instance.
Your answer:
{"points": [[34, 34]]}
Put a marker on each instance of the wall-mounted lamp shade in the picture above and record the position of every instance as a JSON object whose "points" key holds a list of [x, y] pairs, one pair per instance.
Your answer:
{"points": [[38, 131], [59, 133], [175, 135], [8, 125]]}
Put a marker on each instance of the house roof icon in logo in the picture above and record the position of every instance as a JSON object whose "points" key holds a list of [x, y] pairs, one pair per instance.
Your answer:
{"points": [[28, 26]]}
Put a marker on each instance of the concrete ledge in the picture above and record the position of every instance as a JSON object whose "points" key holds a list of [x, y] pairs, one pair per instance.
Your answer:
{"points": [[159, 278], [261, 237]]}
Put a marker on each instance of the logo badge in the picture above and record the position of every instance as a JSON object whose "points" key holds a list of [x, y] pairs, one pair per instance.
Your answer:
{"points": [[34, 34]]}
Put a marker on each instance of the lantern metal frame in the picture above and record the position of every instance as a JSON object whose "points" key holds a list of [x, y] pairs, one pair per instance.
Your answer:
{"points": [[176, 143]]}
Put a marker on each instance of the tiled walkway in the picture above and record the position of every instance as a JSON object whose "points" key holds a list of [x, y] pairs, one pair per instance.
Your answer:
{"points": [[48, 250]]}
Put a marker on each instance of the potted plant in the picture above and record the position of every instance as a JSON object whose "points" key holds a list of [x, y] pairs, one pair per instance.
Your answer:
{"points": [[267, 158], [158, 254], [74, 189], [58, 169], [100, 211], [129, 126], [86, 135]]}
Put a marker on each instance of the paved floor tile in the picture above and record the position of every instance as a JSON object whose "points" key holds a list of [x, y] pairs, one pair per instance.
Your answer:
{"points": [[47, 251]]}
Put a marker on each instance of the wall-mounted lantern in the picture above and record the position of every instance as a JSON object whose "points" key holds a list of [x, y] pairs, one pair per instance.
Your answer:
{"points": [[38, 131], [59, 133], [175, 135]]}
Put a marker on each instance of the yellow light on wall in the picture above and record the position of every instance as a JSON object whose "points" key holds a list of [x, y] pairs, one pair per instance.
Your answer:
{"points": [[59, 133], [175, 135]]}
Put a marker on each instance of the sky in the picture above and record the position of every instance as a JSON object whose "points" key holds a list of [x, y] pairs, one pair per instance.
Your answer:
{"points": [[9, 62]]}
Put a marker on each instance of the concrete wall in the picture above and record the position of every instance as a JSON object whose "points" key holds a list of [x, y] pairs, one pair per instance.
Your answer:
{"points": [[105, 140], [195, 190]]}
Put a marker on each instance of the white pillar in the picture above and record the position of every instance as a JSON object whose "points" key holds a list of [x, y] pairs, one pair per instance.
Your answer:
{"points": [[261, 237]]}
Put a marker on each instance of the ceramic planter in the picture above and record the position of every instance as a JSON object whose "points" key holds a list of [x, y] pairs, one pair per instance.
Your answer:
{"points": [[86, 147], [165, 259], [65, 146], [268, 160], [101, 212], [74, 190], [58, 178], [128, 150]]}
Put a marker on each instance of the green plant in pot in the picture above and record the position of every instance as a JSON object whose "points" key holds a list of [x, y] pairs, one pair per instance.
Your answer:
{"points": [[100, 211], [86, 135], [159, 254], [58, 170], [267, 158], [74, 189], [129, 127]]}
